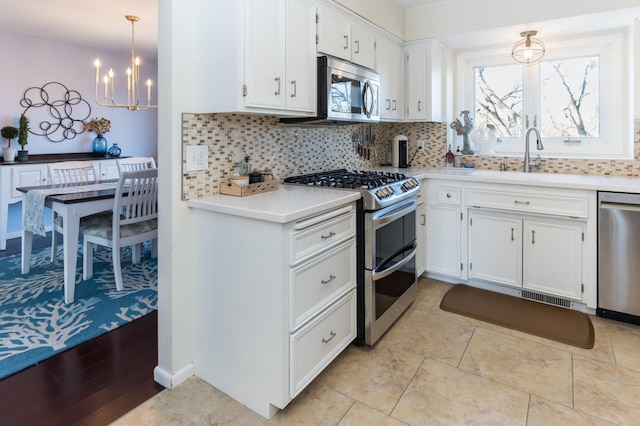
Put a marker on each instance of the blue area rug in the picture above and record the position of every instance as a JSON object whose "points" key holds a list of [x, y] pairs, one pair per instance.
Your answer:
{"points": [[36, 324]]}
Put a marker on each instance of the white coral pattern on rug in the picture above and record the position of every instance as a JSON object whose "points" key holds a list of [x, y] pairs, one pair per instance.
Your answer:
{"points": [[44, 325]]}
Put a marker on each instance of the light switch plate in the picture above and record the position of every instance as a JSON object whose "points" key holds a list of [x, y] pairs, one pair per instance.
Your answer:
{"points": [[197, 157]]}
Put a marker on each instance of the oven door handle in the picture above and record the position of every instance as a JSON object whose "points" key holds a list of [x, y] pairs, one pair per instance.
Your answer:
{"points": [[376, 274], [392, 213]]}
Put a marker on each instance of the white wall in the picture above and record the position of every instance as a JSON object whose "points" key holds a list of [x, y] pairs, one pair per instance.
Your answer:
{"points": [[33, 63], [177, 50]]}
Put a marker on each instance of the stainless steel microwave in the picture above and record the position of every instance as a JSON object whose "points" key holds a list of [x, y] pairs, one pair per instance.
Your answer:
{"points": [[346, 93]]}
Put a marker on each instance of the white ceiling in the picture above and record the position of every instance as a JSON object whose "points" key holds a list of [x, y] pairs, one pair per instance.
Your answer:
{"points": [[412, 3], [91, 23], [101, 24]]}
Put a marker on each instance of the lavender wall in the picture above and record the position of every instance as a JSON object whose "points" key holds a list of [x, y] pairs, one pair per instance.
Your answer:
{"points": [[33, 63]]}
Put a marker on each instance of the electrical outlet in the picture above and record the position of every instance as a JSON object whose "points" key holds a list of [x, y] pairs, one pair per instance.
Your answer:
{"points": [[420, 143], [197, 158]]}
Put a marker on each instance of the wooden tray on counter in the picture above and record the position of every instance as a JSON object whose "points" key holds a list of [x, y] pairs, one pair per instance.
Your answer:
{"points": [[230, 188]]}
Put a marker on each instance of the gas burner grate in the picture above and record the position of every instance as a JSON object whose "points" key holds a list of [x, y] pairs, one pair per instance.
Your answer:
{"points": [[342, 178]]}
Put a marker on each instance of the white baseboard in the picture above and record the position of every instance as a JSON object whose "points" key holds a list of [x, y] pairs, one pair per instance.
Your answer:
{"points": [[169, 380]]}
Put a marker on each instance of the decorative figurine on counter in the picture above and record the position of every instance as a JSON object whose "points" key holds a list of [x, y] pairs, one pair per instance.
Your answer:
{"points": [[464, 130]]}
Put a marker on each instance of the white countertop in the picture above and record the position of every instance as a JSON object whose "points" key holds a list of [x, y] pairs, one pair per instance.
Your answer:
{"points": [[554, 180], [287, 204]]}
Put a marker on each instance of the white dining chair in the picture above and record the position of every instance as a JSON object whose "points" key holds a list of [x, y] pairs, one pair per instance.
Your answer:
{"points": [[73, 172], [133, 221], [68, 172], [135, 163]]}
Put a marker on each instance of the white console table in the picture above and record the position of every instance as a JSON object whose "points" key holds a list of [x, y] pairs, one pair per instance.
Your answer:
{"points": [[35, 173]]}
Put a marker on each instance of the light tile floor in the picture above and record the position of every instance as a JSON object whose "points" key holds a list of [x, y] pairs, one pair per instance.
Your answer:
{"points": [[434, 367]]}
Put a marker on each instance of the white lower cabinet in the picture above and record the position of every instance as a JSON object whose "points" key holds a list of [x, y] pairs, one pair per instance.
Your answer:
{"points": [[495, 248], [554, 256], [542, 255], [538, 241], [444, 228], [315, 345], [274, 303]]}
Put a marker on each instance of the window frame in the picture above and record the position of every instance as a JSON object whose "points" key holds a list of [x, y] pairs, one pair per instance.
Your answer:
{"points": [[615, 108]]}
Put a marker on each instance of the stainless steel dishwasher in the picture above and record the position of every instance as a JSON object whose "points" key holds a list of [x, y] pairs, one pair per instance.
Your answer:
{"points": [[619, 256]]}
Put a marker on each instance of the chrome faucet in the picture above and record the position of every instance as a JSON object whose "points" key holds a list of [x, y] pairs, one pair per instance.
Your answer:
{"points": [[539, 146]]}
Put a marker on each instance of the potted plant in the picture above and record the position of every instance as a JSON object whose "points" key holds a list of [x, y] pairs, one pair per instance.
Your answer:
{"points": [[23, 155], [9, 153], [100, 127]]}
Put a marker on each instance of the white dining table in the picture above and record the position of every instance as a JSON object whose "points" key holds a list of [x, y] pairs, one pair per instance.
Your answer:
{"points": [[72, 206]]}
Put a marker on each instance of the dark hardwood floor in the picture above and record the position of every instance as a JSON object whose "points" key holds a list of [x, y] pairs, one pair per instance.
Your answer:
{"points": [[93, 383]]}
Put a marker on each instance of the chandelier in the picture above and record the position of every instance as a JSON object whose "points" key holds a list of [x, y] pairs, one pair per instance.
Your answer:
{"points": [[528, 51], [133, 80]]}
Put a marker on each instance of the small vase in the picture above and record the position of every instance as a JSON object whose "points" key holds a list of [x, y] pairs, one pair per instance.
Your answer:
{"points": [[114, 151], [9, 155], [100, 145]]}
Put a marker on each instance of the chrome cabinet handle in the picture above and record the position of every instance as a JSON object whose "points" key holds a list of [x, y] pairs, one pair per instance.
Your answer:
{"points": [[295, 88], [424, 219], [419, 105], [448, 195], [331, 234], [512, 238], [524, 203], [332, 334], [277, 80], [533, 237], [394, 105], [388, 104], [357, 42], [346, 42], [331, 278]]}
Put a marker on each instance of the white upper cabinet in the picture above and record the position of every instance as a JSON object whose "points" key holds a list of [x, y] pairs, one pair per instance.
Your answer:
{"points": [[300, 64], [279, 56], [363, 46], [390, 66], [342, 38], [257, 56], [424, 66], [264, 54]]}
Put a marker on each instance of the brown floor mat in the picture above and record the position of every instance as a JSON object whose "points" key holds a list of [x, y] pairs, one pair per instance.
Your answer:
{"points": [[551, 322]]}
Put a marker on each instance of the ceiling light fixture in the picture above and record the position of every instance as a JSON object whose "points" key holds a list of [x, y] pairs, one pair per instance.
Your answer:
{"points": [[528, 51], [133, 80]]}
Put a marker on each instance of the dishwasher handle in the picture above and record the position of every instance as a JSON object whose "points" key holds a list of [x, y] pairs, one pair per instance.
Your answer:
{"points": [[620, 206]]}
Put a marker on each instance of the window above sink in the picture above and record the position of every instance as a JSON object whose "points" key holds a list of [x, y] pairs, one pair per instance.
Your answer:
{"points": [[578, 96]]}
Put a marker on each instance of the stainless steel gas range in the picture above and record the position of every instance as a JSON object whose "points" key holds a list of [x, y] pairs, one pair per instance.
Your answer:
{"points": [[386, 236]]}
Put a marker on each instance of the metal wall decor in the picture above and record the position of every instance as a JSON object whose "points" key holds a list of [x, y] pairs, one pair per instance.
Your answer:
{"points": [[61, 111]]}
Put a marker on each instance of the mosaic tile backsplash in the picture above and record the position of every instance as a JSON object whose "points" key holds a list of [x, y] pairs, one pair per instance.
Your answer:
{"points": [[289, 151]]}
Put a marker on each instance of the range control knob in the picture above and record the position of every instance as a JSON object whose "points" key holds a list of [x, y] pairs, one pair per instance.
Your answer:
{"points": [[409, 184]]}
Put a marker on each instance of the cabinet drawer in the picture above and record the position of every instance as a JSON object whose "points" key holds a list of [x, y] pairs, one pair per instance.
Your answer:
{"points": [[317, 344], [448, 194], [311, 240], [529, 202], [316, 284]]}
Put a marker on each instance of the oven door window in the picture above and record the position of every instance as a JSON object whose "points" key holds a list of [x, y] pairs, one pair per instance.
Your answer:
{"points": [[392, 239], [394, 271], [389, 288]]}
